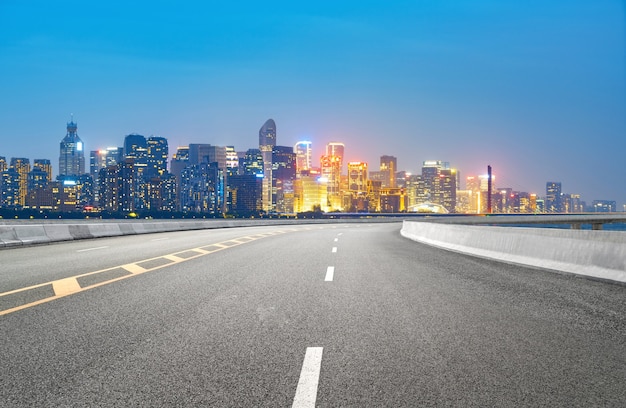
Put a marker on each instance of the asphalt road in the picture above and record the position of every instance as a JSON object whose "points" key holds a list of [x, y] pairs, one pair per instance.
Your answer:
{"points": [[332, 316]]}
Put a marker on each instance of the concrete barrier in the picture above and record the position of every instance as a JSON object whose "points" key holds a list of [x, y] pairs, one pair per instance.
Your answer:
{"points": [[29, 232], [598, 254]]}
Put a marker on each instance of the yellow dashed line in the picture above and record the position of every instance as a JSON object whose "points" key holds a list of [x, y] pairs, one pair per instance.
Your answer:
{"points": [[173, 258], [134, 268], [68, 286]]}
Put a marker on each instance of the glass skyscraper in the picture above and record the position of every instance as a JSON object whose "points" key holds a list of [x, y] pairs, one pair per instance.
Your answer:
{"points": [[72, 156]]}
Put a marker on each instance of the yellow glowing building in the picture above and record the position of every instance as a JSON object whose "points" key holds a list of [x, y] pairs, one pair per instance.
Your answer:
{"points": [[310, 193]]}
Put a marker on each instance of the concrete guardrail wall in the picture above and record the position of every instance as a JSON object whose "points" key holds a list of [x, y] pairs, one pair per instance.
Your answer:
{"points": [[597, 254], [20, 233]]}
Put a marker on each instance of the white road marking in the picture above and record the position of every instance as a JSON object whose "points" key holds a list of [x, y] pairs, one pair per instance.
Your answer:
{"points": [[336, 239], [330, 273], [341, 233], [91, 249], [334, 249], [306, 393], [159, 239]]}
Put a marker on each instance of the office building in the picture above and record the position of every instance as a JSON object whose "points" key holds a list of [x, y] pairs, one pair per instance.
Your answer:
{"points": [[202, 189], [553, 201], [267, 141], [283, 174], [157, 155], [72, 155], [22, 166], [304, 156], [388, 168]]}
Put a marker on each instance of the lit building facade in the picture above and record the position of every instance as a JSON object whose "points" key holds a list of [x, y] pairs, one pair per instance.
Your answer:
{"points": [[388, 168], [304, 156], [267, 141], [310, 194], [22, 166], [553, 201], [202, 189], [72, 155], [156, 156], [283, 174]]}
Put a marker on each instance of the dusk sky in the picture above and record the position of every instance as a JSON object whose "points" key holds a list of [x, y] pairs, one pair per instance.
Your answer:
{"points": [[535, 88]]}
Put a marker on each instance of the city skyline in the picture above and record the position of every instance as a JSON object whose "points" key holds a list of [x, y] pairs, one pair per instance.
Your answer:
{"points": [[535, 90], [267, 138]]}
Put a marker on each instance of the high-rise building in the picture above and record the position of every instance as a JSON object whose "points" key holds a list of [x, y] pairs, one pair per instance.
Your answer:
{"points": [[331, 171], [336, 149], [45, 166], [10, 188], [388, 168], [72, 156], [553, 201], [304, 156], [251, 162], [438, 184], [244, 194], [283, 174], [232, 160], [22, 166], [603, 206], [3, 163], [136, 148], [310, 194], [206, 153], [267, 141], [357, 177], [101, 159], [157, 155], [37, 179], [202, 188]]}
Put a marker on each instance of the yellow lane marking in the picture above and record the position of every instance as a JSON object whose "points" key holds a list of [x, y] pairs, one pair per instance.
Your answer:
{"points": [[134, 268], [65, 286], [70, 285], [173, 258]]}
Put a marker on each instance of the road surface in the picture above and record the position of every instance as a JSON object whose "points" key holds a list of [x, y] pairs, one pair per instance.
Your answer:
{"points": [[347, 315]]}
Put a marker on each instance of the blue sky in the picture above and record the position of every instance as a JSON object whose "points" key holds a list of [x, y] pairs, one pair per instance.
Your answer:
{"points": [[534, 88]]}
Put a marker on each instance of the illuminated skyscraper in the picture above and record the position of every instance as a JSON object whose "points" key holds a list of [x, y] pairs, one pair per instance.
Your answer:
{"points": [[283, 173], [388, 168], [136, 148], [553, 197], [22, 166], [157, 154], [336, 149], [304, 156], [40, 175], [438, 184], [45, 166], [3, 163], [72, 156], [101, 159], [357, 177], [232, 160], [267, 141]]}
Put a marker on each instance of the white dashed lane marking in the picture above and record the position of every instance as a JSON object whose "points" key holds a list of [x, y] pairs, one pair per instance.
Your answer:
{"points": [[306, 393]]}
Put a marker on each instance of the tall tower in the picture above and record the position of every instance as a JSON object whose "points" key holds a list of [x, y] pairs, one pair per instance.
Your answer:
{"points": [[388, 166], [267, 141], [336, 149], [157, 155], [303, 155], [554, 202], [22, 166], [72, 156]]}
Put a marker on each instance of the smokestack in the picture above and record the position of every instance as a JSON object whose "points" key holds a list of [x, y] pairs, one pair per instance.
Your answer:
{"points": [[488, 189]]}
